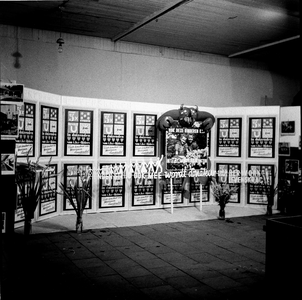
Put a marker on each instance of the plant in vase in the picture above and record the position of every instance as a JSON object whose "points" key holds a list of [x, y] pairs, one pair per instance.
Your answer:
{"points": [[222, 193], [78, 193]]}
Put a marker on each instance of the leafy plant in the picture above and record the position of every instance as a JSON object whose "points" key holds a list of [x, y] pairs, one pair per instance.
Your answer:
{"points": [[222, 191]]}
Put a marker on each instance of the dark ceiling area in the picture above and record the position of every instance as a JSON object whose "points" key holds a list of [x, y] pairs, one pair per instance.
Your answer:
{"points": [[261, 30]]}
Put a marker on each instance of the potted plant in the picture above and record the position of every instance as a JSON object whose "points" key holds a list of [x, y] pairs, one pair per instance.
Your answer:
{"points": [[222, 193], [78, 193]]}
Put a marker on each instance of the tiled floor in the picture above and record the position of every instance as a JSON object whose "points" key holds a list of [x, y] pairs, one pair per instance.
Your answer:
{"points": [[183, 259]]}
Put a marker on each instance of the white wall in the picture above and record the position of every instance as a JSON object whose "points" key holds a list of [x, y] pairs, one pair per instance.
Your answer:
{"points": [[97, 68]]}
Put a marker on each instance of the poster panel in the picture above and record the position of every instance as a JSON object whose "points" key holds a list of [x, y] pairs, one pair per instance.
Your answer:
{"points": [[49, 131], [177, 191], [25, 143], [144, 133], [143, 190], [229, 137], [9, 120], [78, 132], [195, 191], [112, 186], [113, 134]]}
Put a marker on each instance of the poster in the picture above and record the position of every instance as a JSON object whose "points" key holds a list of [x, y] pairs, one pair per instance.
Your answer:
{"points": [[186, 148], [8, 163], [49, 131], [19, 213], [144, 135], [195, 191], [229, 137], [11, 92], [261, 183], [25, 143], [177, 191], [9, 120], [262, 137], [112, 186], [48, 200], [72, 177], [78, 132], [143, 191], [113, 134]]}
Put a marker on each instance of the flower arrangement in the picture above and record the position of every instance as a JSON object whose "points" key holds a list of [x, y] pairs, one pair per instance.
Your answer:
{"points": [[222, 192]]}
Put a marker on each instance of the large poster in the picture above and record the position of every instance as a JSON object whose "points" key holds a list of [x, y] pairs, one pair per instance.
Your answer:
{"points": [[262, 137], [113, 134], [78, 132], [144, 135], [25, 143], [229, 137], [143, 191], [112, 186], [49, 131]]}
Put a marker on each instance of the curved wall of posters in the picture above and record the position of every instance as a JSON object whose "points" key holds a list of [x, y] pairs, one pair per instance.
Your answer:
{"points": [[120, 137]]}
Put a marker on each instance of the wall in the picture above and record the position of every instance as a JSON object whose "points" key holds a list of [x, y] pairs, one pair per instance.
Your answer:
{"points": [[97, 68]]}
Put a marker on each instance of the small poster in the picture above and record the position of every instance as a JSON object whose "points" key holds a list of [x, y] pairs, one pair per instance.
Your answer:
{"points": [[229, 137], [11, 92], [186, 148], [72, 177], [288, 128], [19, 212], [144, 135], [261, 181], [8, 163], [49, 131], [9, 120], [113, 134], [195, 191], [112, 186], [177, 191], [284, 149], [48, 200], [262, 137], [25, 143], [78, 132], [143, 191]]}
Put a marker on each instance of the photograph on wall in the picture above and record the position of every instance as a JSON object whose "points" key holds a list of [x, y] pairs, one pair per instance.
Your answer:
{"points": [[143, 191], [288, 128], [144, 135], [113, 134], [112, 186], [48, 200], [195, 191], [262, 137], [11, 92], [292, 166], [177, 191], [229, 174], [49, 131], [72, 178], [78, 132], [8, 163], [186, 148], [9, 120], [258, 191], [229, 137], [25, 142]]}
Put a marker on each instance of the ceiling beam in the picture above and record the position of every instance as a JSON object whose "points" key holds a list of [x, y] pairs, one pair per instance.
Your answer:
{"points": [[149, 19], [264, 46]]}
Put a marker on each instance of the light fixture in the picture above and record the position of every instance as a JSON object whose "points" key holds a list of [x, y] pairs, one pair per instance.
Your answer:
{"points": [[60, 41]]}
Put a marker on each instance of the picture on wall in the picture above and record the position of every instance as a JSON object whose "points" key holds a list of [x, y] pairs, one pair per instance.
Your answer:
{"points": [[113, 134], [143, 191], [25, 143], [262, 137], [229, 137], [48, 200], [195, 191], [49, 131], [78, 132], [144, 135], [288, 128], [9, 120], [8, 163], [292, 166], [112, 186], [11, 92], [177, 191], [186, 148], [284, 149]]}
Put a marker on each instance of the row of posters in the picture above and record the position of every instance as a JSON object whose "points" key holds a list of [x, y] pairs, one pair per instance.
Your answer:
{"points": [[78, 139]]}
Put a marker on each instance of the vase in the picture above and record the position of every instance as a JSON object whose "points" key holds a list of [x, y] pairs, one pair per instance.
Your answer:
{"points": [[221, 215]]}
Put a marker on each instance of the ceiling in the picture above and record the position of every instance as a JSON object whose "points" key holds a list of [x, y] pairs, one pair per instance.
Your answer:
{"points": [[254, 29]]}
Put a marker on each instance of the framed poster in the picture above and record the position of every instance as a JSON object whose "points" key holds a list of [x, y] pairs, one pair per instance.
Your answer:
{"points": [[9, 120], [262, 137], [11, 92], [195, 191], [72, 176], [25, 143], [78, 132], [229, 137], [292, 166], [143, 191], [49, 131], [19, 212], [284, 149], [8, 164], [112, 186], [48, 200], [229, 173], [288, 128], [144, 134], [261, 181], [113, 134], [177, 191], [186, 148]]}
